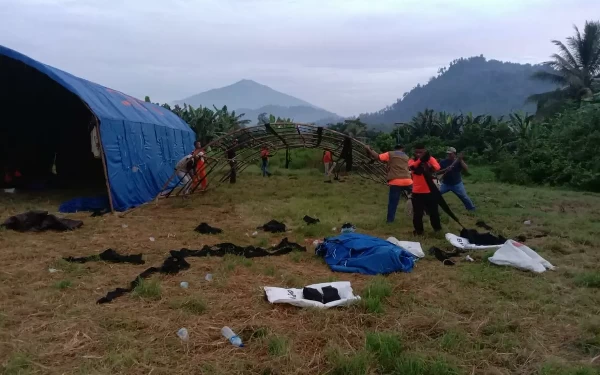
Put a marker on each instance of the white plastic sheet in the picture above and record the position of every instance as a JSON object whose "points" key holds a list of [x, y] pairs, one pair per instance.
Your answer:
{"points": [[463, 243], [294, 296], [412, 247], [515, 254]]}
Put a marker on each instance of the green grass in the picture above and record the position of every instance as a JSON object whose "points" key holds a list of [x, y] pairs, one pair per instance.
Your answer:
{"points": [[452, 341], [374, 295], [278, 346], [148, 289], [63, 284], [17, 364], [561, 369], [408, 364], [433, 320], [349, 364], [193, 305], [296, 256], [588, 279], [386, 347], [72, 269], [230, 262]]}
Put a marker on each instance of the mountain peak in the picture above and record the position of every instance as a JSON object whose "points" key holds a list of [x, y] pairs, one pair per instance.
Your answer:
{"points": [[246, 82], [245, 93]]}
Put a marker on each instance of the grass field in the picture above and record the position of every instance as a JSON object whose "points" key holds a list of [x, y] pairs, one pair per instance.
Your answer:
{"points": [[473, 318]]}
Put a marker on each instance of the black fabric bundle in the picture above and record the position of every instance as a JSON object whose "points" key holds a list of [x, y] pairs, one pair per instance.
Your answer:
{"points": [[39, 221], [310, 221], [273, 226], [477, 238], [108, 255], [204, 228], [176, 261], [329, 294]]}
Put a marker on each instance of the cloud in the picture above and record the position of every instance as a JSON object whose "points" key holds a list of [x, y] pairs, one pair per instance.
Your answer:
{"points": [[348, 56]]}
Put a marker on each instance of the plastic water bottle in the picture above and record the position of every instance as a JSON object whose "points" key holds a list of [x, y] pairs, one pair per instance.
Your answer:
{"points": [[183, 334], [234, 339]]}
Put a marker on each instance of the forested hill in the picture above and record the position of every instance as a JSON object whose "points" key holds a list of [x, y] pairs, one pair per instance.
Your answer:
{"points": [[468, 85]]}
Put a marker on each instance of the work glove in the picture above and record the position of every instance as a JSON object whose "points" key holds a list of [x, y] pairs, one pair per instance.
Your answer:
{"points": [[426, 156]]}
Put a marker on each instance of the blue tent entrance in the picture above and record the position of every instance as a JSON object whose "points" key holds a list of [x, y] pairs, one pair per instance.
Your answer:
{"points": [[50, 117]]}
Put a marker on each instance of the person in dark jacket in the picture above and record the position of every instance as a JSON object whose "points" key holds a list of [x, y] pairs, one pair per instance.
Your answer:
{"points": [[452, 179]]}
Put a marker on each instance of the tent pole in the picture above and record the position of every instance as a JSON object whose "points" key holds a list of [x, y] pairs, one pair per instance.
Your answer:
{"points": [[103, 157]]}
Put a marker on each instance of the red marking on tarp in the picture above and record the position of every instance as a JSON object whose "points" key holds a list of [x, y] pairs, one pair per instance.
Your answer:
{"points": [[154, 109], [126, 103]]}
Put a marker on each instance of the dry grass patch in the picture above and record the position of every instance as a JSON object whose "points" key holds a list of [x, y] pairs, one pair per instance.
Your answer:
{"points": [[473, 318]]}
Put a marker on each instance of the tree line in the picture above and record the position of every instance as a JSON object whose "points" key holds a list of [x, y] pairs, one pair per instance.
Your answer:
{"points": [[555, 146]]}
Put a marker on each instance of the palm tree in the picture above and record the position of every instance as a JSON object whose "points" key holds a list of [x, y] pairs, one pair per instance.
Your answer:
{"points": [[423, 124], [355, 128], [227, 121], [573, 68]]}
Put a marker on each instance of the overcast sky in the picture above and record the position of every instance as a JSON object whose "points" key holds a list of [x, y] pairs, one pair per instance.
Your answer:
{"points": [[347, 56]]}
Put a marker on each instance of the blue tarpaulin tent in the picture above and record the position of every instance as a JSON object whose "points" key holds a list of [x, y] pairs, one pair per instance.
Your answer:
{"points": [[141, 142]]}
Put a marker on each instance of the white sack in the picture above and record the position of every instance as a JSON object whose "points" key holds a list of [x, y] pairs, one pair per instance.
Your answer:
{"points": [[463, 243], [412, 247], [516, 254], [295, 297]]}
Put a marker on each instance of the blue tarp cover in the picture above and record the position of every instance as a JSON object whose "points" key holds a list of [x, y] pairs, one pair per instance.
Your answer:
{"points": [[361, 253], [85, 204], [142, 142]]}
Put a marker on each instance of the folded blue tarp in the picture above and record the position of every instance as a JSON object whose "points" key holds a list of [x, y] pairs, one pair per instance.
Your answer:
{"points": [[360, 253], [85, 204]]}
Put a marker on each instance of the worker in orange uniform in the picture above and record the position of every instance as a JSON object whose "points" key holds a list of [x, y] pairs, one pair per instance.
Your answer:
{"points": [[327, 159], [200, 175], [422, 166], [264, 156], [398, 177]]}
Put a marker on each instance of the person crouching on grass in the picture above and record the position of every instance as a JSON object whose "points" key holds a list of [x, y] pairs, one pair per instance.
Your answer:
{"points": [[398, 176], [422, 166]]}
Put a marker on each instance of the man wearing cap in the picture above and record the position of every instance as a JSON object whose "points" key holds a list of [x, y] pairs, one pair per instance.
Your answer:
{"points": [[453, 165], [398, 176]]}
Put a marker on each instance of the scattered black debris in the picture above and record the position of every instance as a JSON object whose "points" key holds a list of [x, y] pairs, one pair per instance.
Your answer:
{"points": [[101, 212], [521, 238], [108, 255], [482, 224], [207, 229], [443, 256], [310, 221], [176, 261], [348, 228], [39, 221], [273, 226]]}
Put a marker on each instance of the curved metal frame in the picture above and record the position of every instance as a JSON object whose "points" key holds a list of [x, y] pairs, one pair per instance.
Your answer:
{"points": [[276, 136]]}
